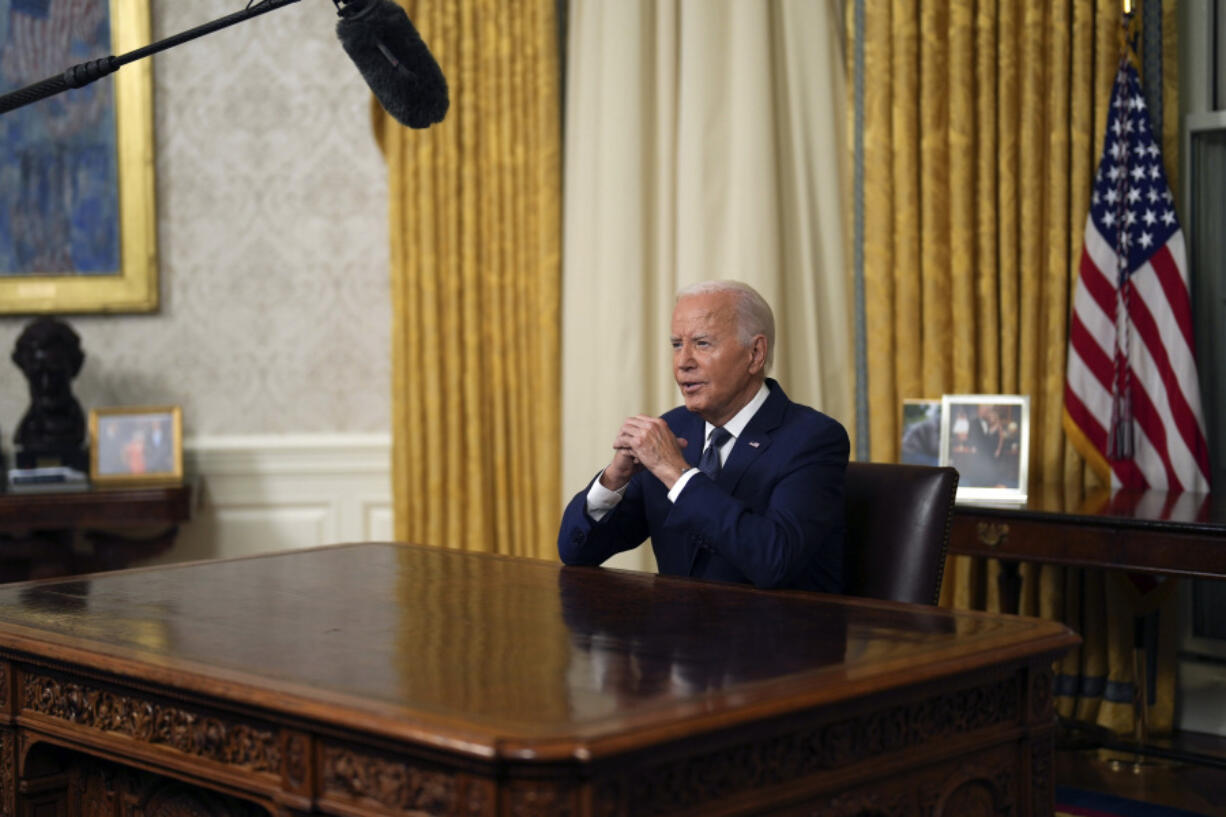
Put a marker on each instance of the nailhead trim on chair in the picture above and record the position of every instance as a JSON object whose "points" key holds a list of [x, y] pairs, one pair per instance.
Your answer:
{"points": [[949, 525]]}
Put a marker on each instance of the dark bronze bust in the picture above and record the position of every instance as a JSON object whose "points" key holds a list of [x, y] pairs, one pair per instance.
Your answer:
{"points": [[49, 353]]}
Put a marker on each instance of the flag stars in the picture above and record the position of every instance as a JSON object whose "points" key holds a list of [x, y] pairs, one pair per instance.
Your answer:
{"points": [[1130, 202]]}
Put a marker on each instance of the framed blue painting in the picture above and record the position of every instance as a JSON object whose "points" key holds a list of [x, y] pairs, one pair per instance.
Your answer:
{"points": [[78, 228]]}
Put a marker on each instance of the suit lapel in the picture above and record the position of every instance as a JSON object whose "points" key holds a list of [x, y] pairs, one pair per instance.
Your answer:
{"points": [[755, 439]]}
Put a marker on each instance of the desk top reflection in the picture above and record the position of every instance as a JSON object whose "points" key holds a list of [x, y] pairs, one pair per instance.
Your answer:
{"points": [[97, 507], [494, 656], [1157, 510]]}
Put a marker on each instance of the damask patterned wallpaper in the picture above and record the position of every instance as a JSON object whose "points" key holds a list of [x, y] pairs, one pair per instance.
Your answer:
{"points": [[272, 231]]}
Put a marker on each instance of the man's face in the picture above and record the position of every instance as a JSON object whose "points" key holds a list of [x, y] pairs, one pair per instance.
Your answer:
{"points": [[717, 375]]}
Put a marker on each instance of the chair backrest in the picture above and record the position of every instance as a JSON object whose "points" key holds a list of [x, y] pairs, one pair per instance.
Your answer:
{"points": [[898, 521]]}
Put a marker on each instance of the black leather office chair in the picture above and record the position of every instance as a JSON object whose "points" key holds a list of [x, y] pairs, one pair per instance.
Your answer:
{"points": [[898, 521]]}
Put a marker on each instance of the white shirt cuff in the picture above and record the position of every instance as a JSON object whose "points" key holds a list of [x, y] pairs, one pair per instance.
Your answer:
{"points": [[600, 500], [675, 491]]}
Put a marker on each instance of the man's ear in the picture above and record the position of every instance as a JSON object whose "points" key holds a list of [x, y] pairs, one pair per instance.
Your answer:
{"points": [[757, 354]]}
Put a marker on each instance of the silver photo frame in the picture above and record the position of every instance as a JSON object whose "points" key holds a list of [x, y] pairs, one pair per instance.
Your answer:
{"points": [[987, 438]]}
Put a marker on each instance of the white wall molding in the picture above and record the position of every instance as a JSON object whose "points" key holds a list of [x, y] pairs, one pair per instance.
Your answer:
{"points": [[261, 493], [357, 453]]}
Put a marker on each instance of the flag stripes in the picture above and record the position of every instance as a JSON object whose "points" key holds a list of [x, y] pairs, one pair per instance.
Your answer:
{"points": [[1131, 349]]}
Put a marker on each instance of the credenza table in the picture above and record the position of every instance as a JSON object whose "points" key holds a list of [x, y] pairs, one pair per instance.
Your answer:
{"points": [[388, 680], [117, 526], [1136, 531], [1147, 532]]}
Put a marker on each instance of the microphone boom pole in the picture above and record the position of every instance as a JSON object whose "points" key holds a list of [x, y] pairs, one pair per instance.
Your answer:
{"points": [[87, 72]]}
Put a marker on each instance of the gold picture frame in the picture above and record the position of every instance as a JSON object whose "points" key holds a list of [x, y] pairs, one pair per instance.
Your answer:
{"points": [[134, 287], [136, 445]]}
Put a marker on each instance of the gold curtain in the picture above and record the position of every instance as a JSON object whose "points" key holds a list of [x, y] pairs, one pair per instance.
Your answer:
{"points": [[982, 125], [475, 265]]}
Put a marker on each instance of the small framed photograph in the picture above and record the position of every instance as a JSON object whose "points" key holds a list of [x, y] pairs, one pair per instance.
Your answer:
{"points": [[136, 446], [987, 438], [921, 432]]}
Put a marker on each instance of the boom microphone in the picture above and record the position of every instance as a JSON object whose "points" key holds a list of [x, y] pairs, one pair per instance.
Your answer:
{"points": [[391, 56], [377, 35]]}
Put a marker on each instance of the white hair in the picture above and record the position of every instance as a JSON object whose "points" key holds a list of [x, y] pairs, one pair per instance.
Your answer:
{"points": [[753, 313]]}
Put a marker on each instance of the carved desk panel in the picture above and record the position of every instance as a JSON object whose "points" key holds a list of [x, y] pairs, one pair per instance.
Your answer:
{"points": [[397, 681]]}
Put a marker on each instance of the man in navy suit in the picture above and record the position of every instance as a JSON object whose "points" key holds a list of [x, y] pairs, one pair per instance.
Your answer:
{"points": [[740, 483]]}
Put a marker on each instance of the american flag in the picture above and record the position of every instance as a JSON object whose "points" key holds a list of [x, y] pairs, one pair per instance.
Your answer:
{"points": [[1131, 399]]}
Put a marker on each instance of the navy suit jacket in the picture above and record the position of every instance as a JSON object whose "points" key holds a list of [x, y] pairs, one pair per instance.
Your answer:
{"points": [[773, 517]]}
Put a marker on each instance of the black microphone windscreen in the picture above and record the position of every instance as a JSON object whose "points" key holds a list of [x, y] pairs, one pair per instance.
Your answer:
{"points": [[391, 56]]}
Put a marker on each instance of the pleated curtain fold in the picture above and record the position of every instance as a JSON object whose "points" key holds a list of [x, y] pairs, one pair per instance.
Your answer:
{"points": [[475, 265], [981, 124]]}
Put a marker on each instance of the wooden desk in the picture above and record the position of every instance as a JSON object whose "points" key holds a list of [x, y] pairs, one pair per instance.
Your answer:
{"points": [[37, 531], [1138, 531], [386, 680]]}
